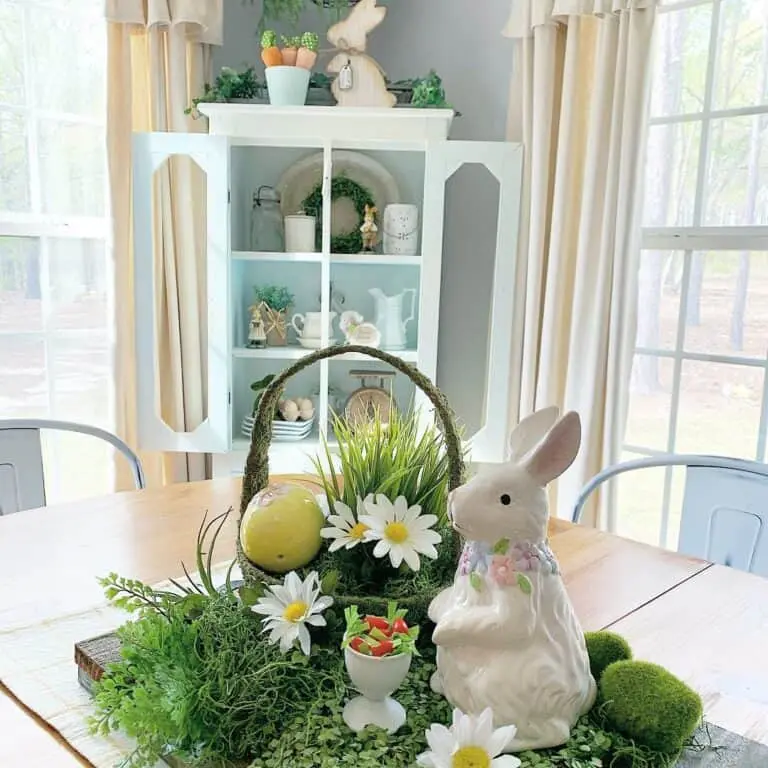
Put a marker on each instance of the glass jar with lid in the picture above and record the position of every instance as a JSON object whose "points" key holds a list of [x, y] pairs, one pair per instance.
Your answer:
{"points": [[267, 221]]}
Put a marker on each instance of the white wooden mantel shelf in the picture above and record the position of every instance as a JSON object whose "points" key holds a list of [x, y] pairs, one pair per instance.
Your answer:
{"points": [[314, 125]]}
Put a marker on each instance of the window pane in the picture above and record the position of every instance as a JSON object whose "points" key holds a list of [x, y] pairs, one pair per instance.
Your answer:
{"points": [[20, 298], [639, 501], [65, 78], [727, 309], [72, 168], [78, 279], [670, 174], [11, 54], [650, 398], [14, 163], [736, 192], [81, 369], [682, 50], [24, 393], [658, 299], [742, 58], [719, 409]]}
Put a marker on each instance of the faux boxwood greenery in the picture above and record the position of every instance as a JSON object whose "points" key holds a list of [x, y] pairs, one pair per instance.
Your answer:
{"points": [[341, 186]]}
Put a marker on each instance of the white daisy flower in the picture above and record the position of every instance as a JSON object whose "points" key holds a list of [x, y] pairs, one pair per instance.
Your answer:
{"points": [[292, 606], [400, 531], [346, 531], [470, 742]]}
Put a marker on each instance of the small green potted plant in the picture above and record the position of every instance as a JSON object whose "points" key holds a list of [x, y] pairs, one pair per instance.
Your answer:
{"points": [[274, 300]]}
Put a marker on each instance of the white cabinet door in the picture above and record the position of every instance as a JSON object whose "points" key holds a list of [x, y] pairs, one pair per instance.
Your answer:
{"points": [[153, 225], [504, 161]]}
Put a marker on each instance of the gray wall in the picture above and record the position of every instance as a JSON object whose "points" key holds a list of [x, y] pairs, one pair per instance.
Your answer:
{"points": [[461, 39]]}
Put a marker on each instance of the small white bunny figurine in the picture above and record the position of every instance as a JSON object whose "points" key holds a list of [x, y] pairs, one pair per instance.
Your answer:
{"points": [[368, 86], [507, 637]]}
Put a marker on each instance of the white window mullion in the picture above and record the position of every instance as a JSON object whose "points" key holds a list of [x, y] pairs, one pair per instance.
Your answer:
{"points": [[675, 399], [706, 123], [763, 428]]}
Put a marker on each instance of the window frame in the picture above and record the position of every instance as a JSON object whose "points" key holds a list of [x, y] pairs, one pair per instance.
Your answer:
{"points": [[701, 239]]}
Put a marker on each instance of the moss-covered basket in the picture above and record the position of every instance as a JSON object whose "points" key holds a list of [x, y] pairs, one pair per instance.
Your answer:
{"points": [[256, 478]]}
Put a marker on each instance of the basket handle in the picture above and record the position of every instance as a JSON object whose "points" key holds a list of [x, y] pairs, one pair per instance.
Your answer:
{"points": [[256, 475]]}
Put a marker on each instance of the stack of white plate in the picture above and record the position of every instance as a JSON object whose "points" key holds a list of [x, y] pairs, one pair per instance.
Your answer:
{"points": [[282, 431]]}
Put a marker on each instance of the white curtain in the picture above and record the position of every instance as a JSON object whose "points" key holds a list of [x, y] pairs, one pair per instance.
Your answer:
{"points": [[159, 57], [578, 102]]}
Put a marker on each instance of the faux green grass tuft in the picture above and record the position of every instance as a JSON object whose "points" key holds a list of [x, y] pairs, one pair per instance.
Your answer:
{"points": [[603, 649], [649, 705]]}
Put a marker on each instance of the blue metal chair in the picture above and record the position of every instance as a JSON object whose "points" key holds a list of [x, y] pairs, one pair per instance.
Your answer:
{"points": [[725, 507], [22, 482]]}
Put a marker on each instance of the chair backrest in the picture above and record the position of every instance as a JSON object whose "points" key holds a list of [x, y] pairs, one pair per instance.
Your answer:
{"points": [[22, 481], [725, 507]]}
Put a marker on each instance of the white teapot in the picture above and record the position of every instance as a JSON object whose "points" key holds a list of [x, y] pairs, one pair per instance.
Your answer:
{"points": [[311, 324]]}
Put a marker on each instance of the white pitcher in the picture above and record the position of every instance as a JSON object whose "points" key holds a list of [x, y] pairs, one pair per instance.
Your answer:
{"points": [[311, 325], [389, 317]]}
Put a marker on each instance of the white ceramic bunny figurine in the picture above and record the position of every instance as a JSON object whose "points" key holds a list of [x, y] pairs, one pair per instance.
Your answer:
{"points": [[507, 637], [367, 86]]}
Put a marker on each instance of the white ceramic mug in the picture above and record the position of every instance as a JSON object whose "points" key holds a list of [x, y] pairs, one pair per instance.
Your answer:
{"points": [[300, 234], [401, 230], [311, 324]]}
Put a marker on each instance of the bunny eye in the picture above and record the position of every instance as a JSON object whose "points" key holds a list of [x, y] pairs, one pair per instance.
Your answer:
{"points": [[505, 499]]}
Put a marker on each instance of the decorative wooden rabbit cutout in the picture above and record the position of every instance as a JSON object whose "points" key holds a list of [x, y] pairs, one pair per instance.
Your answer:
{"points": [[360, 81], [507, 636]]}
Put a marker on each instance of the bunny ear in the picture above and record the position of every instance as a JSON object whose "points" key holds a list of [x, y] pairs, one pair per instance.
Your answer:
{"points": [[557, 452], [531, 431]]}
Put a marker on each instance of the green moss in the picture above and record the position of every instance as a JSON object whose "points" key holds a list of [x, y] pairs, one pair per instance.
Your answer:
{"points": [[604, 648], [650, 705]]}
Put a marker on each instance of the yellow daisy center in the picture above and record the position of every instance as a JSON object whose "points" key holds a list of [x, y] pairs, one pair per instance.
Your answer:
{"points": [[397, 532], [358, 531], [295, 611], [471, 757]]}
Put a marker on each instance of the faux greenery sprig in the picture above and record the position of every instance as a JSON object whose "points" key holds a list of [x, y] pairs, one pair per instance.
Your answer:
{"points": [[229, 84], [276, 297]]}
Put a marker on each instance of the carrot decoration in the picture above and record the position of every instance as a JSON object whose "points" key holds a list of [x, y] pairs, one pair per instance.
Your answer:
{"points": [[307, 53], [289, 50], [270, 53]]}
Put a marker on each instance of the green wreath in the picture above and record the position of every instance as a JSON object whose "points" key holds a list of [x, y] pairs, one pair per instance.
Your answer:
{"points": [[341, 186]]}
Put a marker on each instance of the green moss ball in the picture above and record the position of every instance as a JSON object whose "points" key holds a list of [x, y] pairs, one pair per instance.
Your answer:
{"points": [[604, 648], [650, 705]]}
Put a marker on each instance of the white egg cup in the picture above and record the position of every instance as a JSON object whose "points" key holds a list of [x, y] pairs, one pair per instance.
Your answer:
{"points": [[376, 679]]}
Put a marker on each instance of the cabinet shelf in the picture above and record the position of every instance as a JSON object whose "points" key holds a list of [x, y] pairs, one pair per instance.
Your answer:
{"points": [[336, 258], [376, 258], [295, 353], [276, 256]]}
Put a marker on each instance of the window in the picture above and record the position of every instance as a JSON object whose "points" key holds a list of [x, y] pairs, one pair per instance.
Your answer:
{"points": [[700, 375], [55, 335]]}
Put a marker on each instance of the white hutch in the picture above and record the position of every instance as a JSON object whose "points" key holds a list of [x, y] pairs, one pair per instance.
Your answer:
{"points": [[250, 146]]}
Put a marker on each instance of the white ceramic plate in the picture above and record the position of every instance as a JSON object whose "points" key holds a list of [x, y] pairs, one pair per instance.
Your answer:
{"points": [[297, 183], [314, 343]]}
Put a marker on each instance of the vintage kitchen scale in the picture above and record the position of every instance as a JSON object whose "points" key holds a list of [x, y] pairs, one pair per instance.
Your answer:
{"points": [[369, 399]]}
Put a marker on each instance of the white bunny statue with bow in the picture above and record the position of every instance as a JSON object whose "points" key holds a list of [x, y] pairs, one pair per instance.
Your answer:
{"points": [[506, 634], [359, 79]]}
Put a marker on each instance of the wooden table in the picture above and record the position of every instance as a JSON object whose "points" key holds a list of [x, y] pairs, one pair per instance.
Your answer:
{"points": [[705, 623]]}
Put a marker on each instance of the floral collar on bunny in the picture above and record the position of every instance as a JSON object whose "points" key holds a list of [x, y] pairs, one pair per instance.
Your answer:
{"points": [[506, 563]]}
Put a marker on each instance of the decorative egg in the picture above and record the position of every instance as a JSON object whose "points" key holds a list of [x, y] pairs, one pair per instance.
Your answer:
{"points": [[280, 530], [289, 410]]}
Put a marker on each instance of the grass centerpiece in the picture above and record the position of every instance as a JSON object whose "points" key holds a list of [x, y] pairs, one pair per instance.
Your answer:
{"points": [[389, 535]]}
